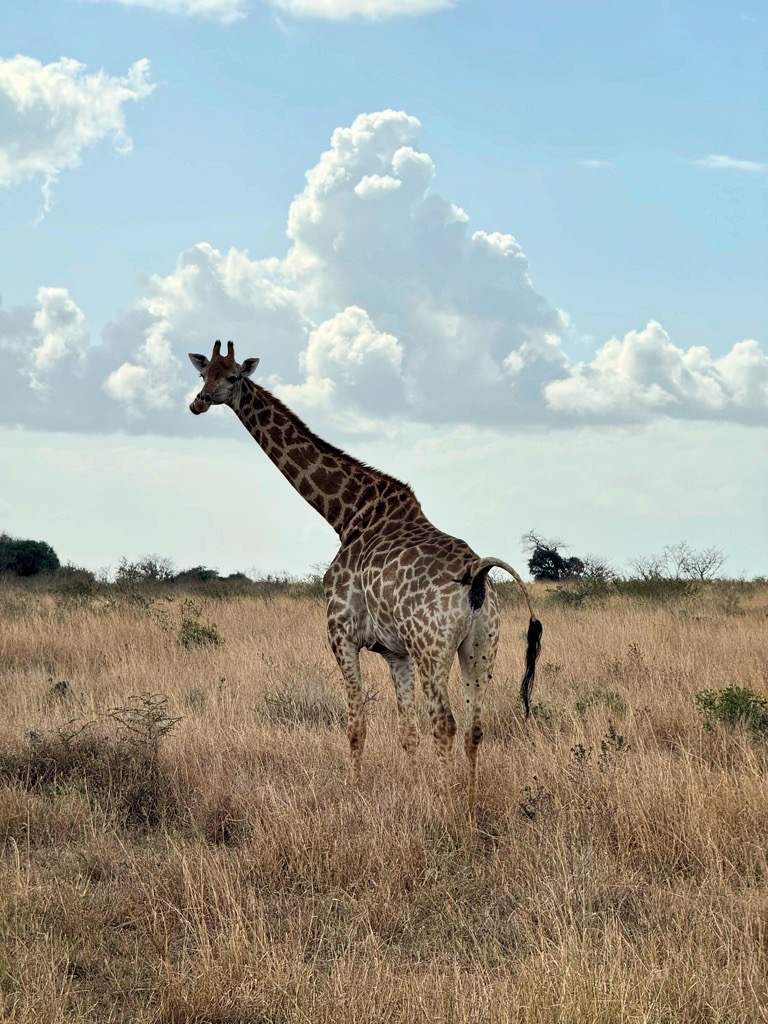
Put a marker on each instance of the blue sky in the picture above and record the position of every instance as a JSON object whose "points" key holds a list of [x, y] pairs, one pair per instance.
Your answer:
{"points": [[623, 146]]}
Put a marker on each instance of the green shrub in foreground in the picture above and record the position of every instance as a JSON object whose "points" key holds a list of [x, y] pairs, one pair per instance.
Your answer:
{"points": [[735, 706], [198, 634]]}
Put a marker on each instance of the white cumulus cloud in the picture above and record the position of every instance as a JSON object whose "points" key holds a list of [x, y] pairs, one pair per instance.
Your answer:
{"points": [[210, 294], [388, 307], [49, 113], [41, 347], [60, 324], [349, 365], [36, 342], [644, 373]]}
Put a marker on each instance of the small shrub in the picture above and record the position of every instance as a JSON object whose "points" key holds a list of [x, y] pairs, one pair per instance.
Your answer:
{"points": [[118, 769], [508, 592], [146, 720], [237, 583], [193, 632], [613, 746], [600, 698], [735, 706], [197, 634]]}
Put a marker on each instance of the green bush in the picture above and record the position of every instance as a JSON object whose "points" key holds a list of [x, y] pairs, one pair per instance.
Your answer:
{"points": [[75, 584], [197, 574], [312, 585], [26, 557], [735, 706], [196, 634]]}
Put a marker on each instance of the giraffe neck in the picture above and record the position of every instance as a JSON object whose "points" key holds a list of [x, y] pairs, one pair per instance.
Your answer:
{"points": [[336, 485]]}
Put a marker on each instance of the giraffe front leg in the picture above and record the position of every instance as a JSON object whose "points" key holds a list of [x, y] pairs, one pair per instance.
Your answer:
{"points": [[347, 655]]}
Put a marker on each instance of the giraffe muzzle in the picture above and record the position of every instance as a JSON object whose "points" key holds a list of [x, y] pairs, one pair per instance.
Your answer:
{"points": [[201, 403]]}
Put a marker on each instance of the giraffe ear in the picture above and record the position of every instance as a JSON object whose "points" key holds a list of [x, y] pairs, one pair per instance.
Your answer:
{"points": [[199, 362], [248, 366]]}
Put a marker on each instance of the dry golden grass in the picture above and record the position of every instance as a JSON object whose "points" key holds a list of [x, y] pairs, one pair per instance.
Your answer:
{"points": [[227, 873]]}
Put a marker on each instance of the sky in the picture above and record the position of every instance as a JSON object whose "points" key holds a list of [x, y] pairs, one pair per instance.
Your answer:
{"points": [[515, 254]]}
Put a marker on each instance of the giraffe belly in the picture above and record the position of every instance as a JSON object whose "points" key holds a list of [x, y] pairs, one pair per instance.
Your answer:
{"points": [[381, 635]]}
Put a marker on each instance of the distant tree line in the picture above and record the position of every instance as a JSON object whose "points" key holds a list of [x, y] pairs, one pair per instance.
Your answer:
{"points": [[20, 558], [674, 562], [548, 560]]}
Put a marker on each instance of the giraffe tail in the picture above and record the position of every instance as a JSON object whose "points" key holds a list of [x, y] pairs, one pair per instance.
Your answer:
{"points": [[476, 581]]}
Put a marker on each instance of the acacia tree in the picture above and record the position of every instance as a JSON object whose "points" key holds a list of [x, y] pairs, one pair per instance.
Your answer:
{"points": [[706, 564], [148, 569], [545, 561], [680, 562]]}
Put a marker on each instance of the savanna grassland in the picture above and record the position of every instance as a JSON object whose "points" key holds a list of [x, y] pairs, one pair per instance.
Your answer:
{"points": [[180, 842]]}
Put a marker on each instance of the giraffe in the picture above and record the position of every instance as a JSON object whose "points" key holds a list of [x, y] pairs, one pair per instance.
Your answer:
{"points": [[398, 586]]}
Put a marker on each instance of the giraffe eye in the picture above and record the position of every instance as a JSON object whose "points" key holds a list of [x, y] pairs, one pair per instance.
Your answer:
{"points": [[232, 378]]}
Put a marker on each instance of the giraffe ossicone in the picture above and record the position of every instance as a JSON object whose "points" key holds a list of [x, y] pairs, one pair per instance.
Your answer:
{"points": [[398, 586]]}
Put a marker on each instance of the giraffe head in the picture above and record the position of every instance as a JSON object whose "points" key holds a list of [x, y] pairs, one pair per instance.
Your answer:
{"points": [[221, 377]]}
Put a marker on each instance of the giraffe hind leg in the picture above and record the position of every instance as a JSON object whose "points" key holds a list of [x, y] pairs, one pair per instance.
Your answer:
{"points": [[401, 669], [434, 672], [476, 657]]}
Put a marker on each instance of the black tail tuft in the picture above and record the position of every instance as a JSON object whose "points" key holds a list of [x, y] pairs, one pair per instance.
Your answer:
{"points": [[531, 654]]}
